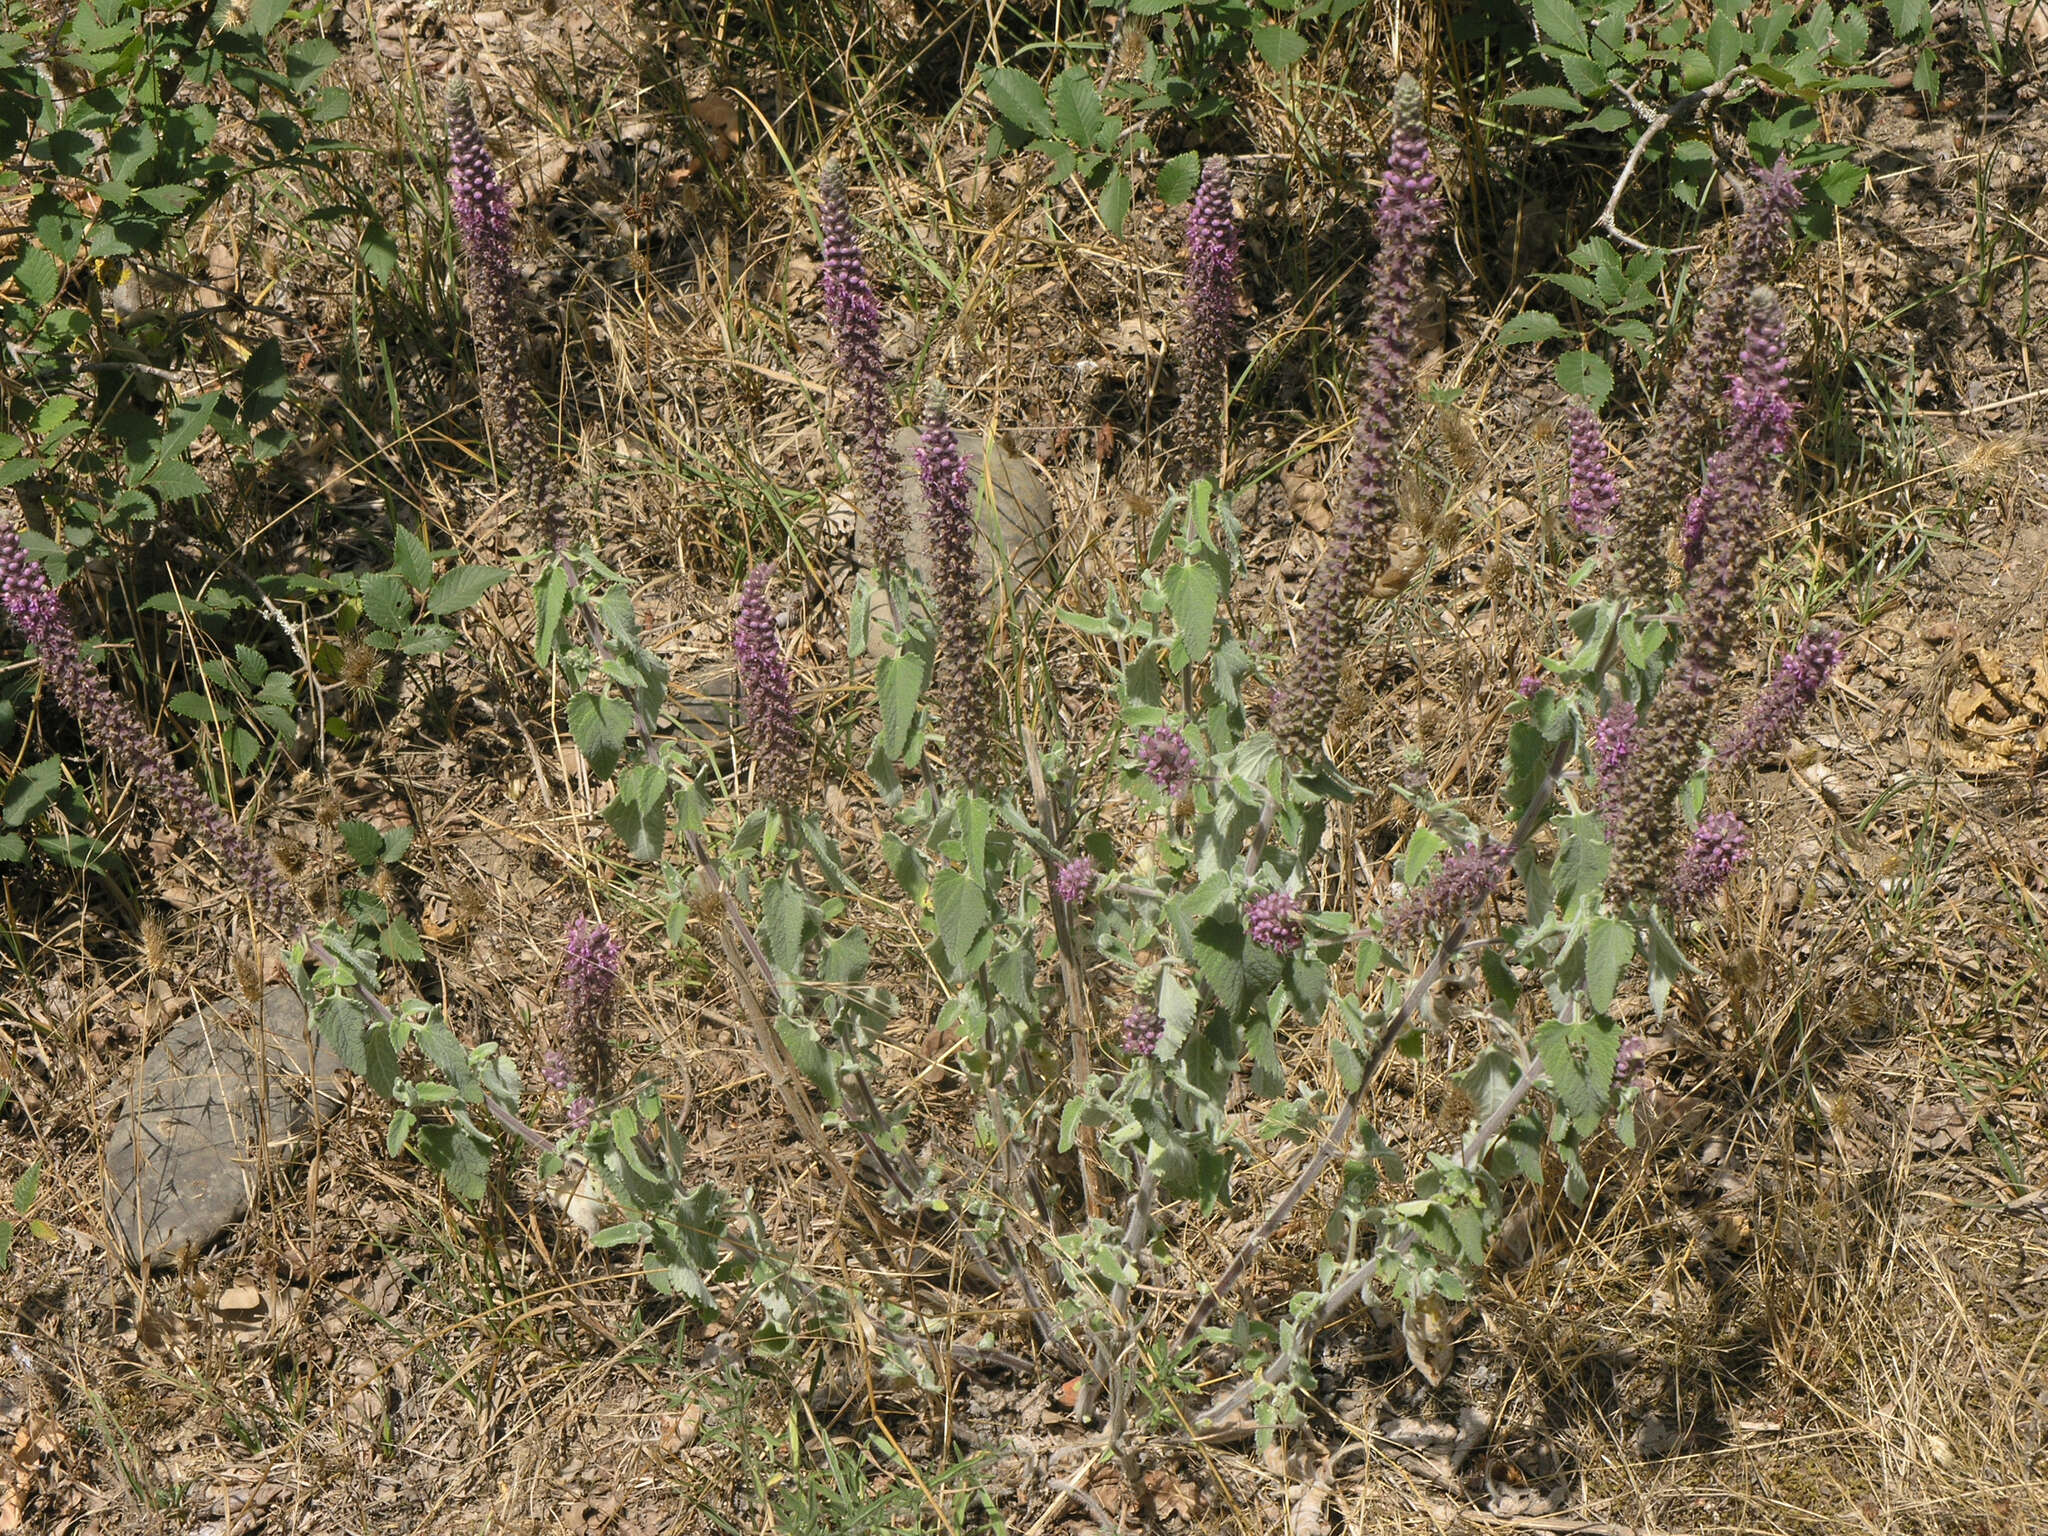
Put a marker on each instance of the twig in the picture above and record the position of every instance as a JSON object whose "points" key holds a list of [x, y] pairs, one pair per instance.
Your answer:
{"points": [[1346, 1291], [1681, 111]]}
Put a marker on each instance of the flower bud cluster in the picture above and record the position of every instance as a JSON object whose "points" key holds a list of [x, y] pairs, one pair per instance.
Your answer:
{"points": [[1777, 710], [1075, 880], [1462, 881], [1167, 760], [1273, 922]]}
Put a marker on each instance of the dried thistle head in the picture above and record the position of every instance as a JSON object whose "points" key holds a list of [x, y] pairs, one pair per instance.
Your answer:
{"points": [[327, 811], [362, 671], [156, 945], [248, 976]]}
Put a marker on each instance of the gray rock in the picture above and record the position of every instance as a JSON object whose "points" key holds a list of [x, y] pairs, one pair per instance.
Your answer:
{"points": [[1017, 527], [218, 1093]]}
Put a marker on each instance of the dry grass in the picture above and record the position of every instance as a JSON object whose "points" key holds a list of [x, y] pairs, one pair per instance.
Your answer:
{"points": [[1814, 1302]]}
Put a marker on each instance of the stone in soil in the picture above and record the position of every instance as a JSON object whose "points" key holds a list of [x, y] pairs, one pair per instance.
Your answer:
{"points": [[219, 1098]]}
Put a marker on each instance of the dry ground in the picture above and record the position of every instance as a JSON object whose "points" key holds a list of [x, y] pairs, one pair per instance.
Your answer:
{"points": [[1818, 1301]]}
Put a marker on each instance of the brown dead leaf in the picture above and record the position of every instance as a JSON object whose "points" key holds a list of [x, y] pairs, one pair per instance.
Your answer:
{"points": [[30, 1456]]}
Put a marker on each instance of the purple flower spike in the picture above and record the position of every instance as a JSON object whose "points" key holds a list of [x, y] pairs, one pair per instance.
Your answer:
{"points": [[1209, 332], [1530, 686], [1614, 737], [1718, 594], [1593, 494], [554, 1071], [1778, 709], [1272, 922], [964, 686], [1167, 760], [1462, 881], [110, 722], [1718, 844], [1409, 216], [1142, 1029], [856, 320], [483, 219], [1685, 414], [773, 732], [1630, 1060], [1075, 880], [590, 973]]}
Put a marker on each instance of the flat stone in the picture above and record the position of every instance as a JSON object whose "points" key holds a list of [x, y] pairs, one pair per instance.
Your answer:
{"points": [[701, 707], [218, 1095], [1016, 528]]}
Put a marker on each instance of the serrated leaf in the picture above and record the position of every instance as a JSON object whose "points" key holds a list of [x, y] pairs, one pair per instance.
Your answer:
{"points": [[340, 1022], [38, 274], [1016, 96], [1559, 21], [1178, 178], [1075, 106], [175, 480], [1584, 374], [1610, 945], [1554, 97], [899, 684], [1192, 593], [1114, 204], [782, 924], [638, 813], [599, 724], [463, 1165], [960, 911], [410, 559], [1281, 47], [30, 790], [386, 601], [365, 843], [1531, 325], [461, 587]]}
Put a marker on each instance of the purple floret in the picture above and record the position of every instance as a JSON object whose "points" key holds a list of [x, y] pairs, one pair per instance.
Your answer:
{"points": [[1272, 922], [1167, 760]]}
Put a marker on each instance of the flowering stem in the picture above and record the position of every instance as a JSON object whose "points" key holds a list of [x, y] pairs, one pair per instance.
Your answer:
{"points": [[1337, 1140]]}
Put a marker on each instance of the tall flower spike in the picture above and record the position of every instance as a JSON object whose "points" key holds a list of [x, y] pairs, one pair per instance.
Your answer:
{"points": [[483, 219], [1783, 702], [590, 974], [963, 680], [773, 732], [1461, 882], [1718, 844], [1685, 414], [1593, 495], [1209, 329], [110, 722], [1408, 218], [1734, 501], [856, 320]]}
